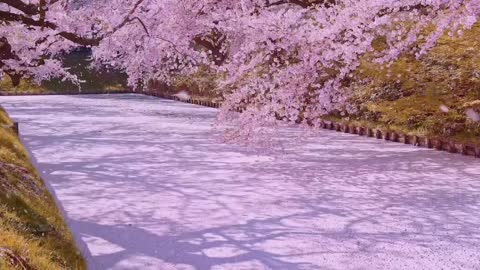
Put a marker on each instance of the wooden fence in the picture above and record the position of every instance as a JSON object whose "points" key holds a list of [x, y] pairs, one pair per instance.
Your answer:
{"points": [[190, 100], [427, 142]]}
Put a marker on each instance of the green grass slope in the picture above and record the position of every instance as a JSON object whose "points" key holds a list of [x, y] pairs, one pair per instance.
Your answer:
{"points": [[408, 96]]}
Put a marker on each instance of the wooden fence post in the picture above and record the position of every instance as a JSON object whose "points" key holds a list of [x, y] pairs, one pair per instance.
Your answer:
{"points": [[361, 131], [370, 132], [452, 147], [338, 127], [438, 144], [428, 143], [16, 128], [394, 136], [386, 135], [477, 151], [353, 129]]}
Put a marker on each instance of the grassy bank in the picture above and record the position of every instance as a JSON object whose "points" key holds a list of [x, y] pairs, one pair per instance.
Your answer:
{"points": [[33, 234], [429, 96], [202, 85]]}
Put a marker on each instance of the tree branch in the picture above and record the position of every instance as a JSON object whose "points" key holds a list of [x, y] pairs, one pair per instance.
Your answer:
{"points": [[28, 9], [127, 17], [13, 17]]}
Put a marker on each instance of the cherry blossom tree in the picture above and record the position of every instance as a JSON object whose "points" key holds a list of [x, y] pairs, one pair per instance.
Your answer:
{"points": [[291, 60], [34, 33], [295, 60], [288, 59]]}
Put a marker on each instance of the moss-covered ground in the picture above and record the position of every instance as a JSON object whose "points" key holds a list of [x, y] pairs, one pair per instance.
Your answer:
{"points": [[426, 96]]}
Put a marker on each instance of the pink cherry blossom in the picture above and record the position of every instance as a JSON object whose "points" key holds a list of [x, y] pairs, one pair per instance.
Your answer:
{"points": [[274, 59]]}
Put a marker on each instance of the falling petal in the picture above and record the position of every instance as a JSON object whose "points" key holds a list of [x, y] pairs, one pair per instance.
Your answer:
{"points": [[182, 95], [473, 115], [444, 108]]}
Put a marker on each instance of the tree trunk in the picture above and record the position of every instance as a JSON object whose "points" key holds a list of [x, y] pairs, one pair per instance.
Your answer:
{"points": [[15, 78]]}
